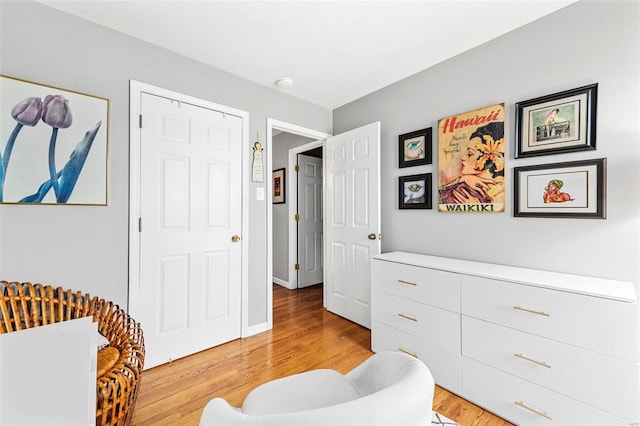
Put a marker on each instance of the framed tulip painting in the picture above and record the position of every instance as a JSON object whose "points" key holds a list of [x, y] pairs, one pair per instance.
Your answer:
{"points": [[54, 145]]}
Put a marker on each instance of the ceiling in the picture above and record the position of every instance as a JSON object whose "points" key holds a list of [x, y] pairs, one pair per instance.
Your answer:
{"points": [[334, 51]]}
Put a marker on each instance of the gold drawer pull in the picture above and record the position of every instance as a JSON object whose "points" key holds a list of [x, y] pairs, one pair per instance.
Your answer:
{"points": [[408, 317], [407, 282], [407, 352], [520, 308], [544, 364], [522, 404]]}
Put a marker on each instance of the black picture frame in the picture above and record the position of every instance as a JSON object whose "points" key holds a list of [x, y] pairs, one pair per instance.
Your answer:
{"points": [[575, 189], [558, 123], [279, 187], [421, 153], [414, 197]]}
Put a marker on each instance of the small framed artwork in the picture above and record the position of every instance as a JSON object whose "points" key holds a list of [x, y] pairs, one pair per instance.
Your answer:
{"points": [[415, 148], [558, 123], [415, 191], [574, 189], [278, 186]]}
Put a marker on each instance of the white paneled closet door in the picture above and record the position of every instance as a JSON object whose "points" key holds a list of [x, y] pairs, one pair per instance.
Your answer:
{"points": [[191, 211]]}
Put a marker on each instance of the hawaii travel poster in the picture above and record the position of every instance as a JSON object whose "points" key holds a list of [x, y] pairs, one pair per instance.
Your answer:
{"points": [[471, 161]]}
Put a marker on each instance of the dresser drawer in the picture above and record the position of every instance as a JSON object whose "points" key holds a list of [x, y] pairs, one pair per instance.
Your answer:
{"points": [[430, 286], [501, 393], [443, 364], [601, 325], [569, 370], [429, 323]]}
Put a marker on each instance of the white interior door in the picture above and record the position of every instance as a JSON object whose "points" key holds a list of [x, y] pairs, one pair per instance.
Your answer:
{"points": [[191, 207], [352, 168], [310, 223]]}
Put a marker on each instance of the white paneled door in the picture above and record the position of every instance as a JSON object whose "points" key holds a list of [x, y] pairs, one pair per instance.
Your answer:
{"points": [[190, 250], [352, 169], [310, 223]]}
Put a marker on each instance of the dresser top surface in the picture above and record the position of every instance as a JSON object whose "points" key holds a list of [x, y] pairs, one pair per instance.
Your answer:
{"points": [[580, 284]]}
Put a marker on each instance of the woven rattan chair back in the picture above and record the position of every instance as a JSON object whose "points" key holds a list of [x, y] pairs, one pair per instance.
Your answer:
{"points": [[26, 305]]}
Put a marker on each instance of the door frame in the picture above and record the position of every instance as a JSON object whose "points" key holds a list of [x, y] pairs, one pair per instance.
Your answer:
{"points": [[292, 191], [136, 89]]}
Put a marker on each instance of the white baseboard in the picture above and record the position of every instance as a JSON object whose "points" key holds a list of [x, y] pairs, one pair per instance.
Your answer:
{"points": [[283, 283], [256, 329]]}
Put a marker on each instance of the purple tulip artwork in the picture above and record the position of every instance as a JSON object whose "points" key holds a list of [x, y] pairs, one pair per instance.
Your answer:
{"points": [[53, 145]]}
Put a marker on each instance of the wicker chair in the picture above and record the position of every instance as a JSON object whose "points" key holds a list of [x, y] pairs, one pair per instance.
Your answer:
{"points": [[26, 305]]}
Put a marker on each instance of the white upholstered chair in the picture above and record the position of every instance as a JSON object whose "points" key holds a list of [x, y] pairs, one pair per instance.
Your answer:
{"points": [[389, 388]]}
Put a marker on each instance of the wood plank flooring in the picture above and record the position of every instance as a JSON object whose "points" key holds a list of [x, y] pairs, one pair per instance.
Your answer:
{"points": [[304, 336]]}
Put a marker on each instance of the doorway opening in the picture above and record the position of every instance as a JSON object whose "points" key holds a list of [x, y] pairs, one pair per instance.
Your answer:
{"points": [[288, 209], [351, 197], [297, 213], [284, 142]]}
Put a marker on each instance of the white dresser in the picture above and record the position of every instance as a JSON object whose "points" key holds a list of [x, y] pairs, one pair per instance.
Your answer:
{"points": [[533, 347]]}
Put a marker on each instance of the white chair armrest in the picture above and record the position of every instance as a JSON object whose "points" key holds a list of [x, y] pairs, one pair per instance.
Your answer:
{"points": [[380, 371], [219, 412]]}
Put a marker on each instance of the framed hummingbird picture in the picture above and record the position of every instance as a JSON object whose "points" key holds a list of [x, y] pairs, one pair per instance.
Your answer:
{"points": [[415, 148]]}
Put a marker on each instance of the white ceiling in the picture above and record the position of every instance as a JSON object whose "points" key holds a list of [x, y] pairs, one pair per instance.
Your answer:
{"points": [[334, 51]]}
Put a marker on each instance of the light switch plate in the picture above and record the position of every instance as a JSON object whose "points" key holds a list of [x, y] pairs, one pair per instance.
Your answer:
{"points": [[260, 194]]}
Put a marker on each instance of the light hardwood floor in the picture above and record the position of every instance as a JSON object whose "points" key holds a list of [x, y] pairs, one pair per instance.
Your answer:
{"points": [[304, 336]]}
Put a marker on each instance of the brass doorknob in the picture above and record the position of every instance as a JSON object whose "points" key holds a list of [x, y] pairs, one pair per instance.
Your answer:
{"points": [[371, 236], [235, 239]]}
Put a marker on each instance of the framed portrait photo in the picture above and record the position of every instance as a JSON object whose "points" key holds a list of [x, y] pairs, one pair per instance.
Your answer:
{"points": [[279, 186], [573, 190], [415, 148], [414, 191], [558, 123]]}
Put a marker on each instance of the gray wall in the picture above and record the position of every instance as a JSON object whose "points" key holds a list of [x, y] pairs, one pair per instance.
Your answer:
{"points": [[584, 43], [86, 248], [282, 143]]}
